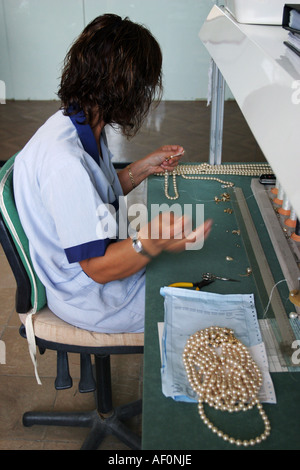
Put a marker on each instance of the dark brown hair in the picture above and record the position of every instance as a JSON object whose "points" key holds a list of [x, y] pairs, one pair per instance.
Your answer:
{"points": [[113, 72]]}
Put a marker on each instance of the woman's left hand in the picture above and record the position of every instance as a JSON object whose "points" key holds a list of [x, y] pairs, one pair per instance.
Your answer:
{"points": [[166, 158]]}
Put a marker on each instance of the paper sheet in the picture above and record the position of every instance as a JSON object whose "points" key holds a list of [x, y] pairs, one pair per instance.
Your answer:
{"points": [[267, 392]]}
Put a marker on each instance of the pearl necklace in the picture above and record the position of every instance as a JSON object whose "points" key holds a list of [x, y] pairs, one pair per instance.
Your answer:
{"points": [[223, 374], [197, 172]]}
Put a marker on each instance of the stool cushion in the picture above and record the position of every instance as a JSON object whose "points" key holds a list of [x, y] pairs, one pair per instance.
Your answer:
{"points": [[49, 327]]}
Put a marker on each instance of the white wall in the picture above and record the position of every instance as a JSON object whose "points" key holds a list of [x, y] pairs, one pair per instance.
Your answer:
{"points": [[36, 34]]}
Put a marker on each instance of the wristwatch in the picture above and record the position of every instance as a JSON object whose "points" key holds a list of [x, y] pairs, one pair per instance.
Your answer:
{"points": [[138, 246]]}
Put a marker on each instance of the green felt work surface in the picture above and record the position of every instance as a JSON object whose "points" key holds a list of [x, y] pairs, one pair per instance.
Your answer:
{"points": [[171, 425]]}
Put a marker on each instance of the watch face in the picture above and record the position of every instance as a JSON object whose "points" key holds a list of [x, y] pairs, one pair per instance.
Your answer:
{"points": [[137, 246]]}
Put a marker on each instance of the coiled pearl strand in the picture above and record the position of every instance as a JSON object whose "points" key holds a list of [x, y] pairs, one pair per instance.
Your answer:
{"points": [[223, 374]]}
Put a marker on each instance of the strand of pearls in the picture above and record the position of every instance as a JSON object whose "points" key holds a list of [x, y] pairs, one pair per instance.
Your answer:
{"points": [[196, 172], [226, 184], [246, 169], [223, 374], [176, 194]]}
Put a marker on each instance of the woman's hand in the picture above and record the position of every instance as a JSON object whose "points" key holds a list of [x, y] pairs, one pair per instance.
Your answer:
{"points": [[165, 232], [166, 158], [168, 232]]}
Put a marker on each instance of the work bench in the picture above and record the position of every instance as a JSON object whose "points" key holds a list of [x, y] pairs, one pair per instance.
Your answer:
{"points": [[171, 425]]}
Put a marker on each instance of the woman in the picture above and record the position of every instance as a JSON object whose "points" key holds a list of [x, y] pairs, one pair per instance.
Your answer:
{"points": [[64, 181]]}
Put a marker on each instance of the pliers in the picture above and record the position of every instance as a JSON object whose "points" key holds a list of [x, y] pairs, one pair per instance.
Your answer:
{"points": [[197, 285], [207, 278]]}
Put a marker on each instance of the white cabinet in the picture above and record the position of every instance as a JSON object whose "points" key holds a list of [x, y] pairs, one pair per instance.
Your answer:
{"points": [[264, 77]]}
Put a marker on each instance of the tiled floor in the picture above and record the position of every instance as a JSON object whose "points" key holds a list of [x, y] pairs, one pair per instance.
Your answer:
{"points": [[19, 391], [185, 123]]}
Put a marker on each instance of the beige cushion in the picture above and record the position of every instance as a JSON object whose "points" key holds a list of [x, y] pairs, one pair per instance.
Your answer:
{"points": [[49, 327]]}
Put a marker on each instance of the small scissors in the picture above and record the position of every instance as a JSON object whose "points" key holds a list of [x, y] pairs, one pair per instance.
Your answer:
{"points": [[197, 285], [212, 277]]}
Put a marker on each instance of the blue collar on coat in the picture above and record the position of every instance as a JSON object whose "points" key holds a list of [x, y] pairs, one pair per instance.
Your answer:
{"points": [[85, 134]]}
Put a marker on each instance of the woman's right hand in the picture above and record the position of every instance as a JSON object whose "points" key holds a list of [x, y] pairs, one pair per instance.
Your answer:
{"points": [[168, 232]]}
